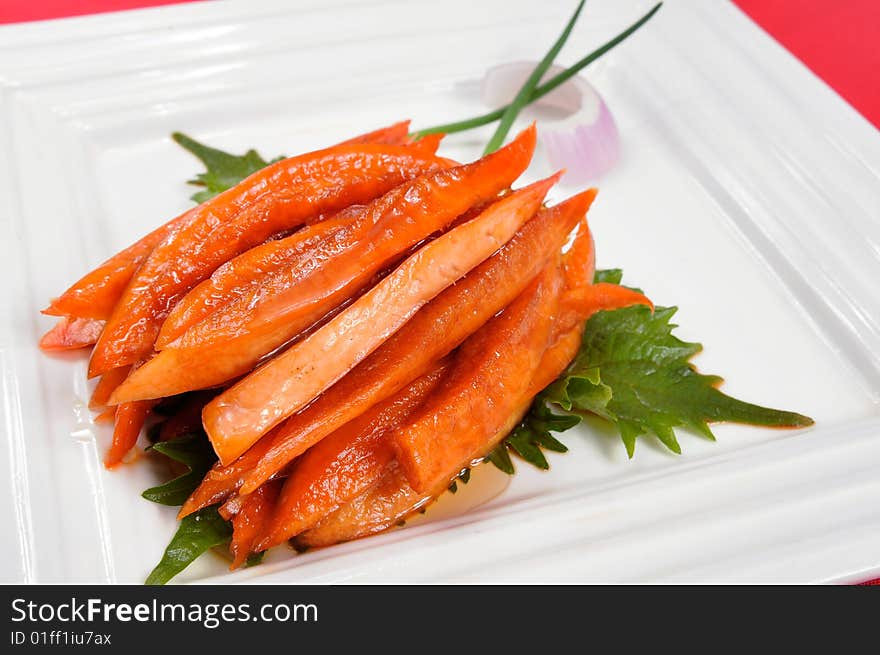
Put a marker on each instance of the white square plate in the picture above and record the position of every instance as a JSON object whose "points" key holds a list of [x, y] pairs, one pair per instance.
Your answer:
{"points": [[747, 194]]}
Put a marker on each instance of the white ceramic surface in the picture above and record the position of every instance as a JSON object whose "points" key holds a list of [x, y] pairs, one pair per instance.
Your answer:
{"points": [[747, 194]]}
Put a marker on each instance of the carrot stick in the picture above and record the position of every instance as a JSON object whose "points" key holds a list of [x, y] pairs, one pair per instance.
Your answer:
{"points": [[344, 464], [72, 333], [428, 144], [392, 499], [250, 521], [279, 197], [492, 370], [433, 332], [106, 385], [579, 263], [582, 298], [96, 294], [230, 341], [581, 303], [240, 415], [130, 418], [299, 253], [393, 135], [384, 505], [107, 416]]}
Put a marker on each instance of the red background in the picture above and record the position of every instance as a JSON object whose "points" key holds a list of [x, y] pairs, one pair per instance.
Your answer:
{"points": [[839, 40]]}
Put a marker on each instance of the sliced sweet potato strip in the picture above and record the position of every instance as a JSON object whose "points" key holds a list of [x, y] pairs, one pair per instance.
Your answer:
{"points": [[382, 506], [344, 464], [392, 499], [250, 521], [581, 303], [433, 332], [130, 418], [393, 135], [72, 333], [300, 252], [240, 415], [230, 341], [579, 263], [96, 294], [582, 298], [233, 338], [279, 197], [428, 144], [106, 386], [441, 326], [492, 370], [107, 416]]}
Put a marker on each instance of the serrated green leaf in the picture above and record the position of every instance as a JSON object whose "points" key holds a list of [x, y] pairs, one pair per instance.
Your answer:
{"points": [[254, 559], [193, 451], [224, 170], [523, 442], [549, 442], [464, 477], [500, 458], [196, 533], [608, 275], [632, 371], [654, 387]]}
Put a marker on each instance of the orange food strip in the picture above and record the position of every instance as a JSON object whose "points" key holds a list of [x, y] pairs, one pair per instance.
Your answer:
{"points": [[394, 135], [96, 294], [579, 263], [231, 340], [242, 414], [344, 464], [107, 416], [382, 506], [130, 418], [279, 197], [492, 370], [72, 333], [433, 332], [580, 304], [106, 386], [428, 144], [250, 521], [392, 499], [299, 252]]}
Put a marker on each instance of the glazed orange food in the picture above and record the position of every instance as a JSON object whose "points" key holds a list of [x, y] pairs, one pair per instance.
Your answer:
{"points": [[347, 330]]}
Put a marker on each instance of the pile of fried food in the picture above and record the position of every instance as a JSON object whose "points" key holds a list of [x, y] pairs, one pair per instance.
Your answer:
{"points": [[351, 328]]}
